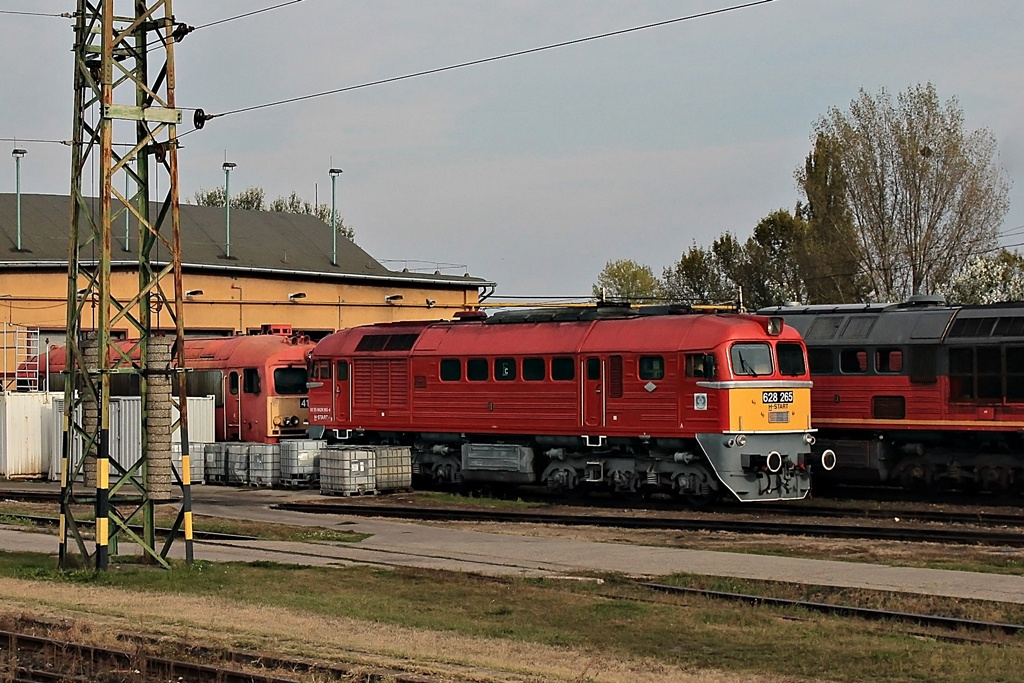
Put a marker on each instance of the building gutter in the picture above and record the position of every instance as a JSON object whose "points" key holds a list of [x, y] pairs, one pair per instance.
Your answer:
{"points": [[421, 280]]}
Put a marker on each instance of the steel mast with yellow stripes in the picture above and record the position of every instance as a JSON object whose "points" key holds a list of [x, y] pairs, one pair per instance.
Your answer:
{"points": [[125, 138]]}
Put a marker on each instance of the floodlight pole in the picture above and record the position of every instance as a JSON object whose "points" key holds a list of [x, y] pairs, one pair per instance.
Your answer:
{"points": [[228, 165], [18, 154], [334, 173]]}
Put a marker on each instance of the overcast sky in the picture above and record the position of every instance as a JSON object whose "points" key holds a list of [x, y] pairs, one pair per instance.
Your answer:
{"points": [[536, 170]]}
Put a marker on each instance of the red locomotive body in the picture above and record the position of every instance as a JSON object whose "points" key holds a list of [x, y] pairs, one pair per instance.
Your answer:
{"points": [[919, 393], [695, 404], [258, 381]]}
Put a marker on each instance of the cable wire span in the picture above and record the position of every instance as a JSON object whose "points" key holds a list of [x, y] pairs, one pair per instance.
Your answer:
{"points": [[484, 60]]}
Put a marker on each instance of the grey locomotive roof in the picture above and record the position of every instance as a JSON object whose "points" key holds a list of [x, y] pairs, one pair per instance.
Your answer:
{"points": [[266, 242], [868, 324], [921, 321]]}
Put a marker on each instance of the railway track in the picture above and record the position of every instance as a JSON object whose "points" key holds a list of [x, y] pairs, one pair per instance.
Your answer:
{"points": [[957, 536], [952, 623], [32, 658]]}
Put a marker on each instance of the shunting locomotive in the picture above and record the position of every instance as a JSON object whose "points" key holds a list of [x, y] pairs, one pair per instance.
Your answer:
{"points": [[632, 400], [258, 381]]}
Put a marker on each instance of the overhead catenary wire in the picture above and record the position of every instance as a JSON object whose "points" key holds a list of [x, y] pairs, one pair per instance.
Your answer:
{"points": [[485, 60]]}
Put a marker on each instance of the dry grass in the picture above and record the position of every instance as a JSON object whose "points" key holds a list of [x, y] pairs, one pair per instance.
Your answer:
{"points": [[516, 629], [97, 614]]}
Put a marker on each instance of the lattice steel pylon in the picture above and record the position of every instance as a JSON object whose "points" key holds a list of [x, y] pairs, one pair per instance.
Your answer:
{"points": [[115, 55]]}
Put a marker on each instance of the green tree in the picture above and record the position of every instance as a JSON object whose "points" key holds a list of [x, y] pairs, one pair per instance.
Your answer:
{"points": [[923, 193], [698, 278], [627, 280], [832, 267], [253, 198]]}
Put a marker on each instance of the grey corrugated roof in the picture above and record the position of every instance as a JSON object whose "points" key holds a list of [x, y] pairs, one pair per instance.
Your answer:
{"points": [[261, 241]]}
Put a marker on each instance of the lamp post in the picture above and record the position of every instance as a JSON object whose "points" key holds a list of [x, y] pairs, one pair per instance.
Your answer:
{"points": [[334, 173], [228, 165], [18, 154]]}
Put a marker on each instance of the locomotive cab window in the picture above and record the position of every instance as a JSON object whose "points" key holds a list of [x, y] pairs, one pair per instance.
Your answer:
{"points": [[505, 369], [563, 369], [251, 380], [652, 367], [751, 359], [476, 370], [696, 365], [322, 369], [791, 359], [853, 361], [533, 369], [342, 371], [290, 381], [451, 370]]}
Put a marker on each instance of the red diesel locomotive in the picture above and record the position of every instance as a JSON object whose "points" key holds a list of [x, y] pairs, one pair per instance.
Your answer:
{"points": [[629, 400], [919, 394], [258, 381]]}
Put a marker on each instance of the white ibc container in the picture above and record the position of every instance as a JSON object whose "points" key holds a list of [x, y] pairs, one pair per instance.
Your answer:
{"points": [[197, 457], [348, 470], [238, 463], [300, 461], [393, 468], [264, 464], [216, 463]]}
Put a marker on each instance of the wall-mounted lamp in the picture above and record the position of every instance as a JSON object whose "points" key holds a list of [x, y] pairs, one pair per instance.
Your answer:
{"points": [[393, 298], [431, 303], [296, 295], [193, 292]]}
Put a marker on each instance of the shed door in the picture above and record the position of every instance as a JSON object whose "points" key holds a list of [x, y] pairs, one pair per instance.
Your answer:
{"points": [[593, 392]]}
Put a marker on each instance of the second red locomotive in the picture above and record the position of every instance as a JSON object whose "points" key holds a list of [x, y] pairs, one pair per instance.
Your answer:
{"points": [[630, 400]]}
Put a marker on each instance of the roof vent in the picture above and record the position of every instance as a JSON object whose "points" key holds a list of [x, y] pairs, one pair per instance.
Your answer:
{"points": [[465, 316], [922, 300]]}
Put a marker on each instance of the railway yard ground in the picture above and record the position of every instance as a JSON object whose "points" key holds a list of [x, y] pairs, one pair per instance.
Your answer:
{"points": [[318, 596]]}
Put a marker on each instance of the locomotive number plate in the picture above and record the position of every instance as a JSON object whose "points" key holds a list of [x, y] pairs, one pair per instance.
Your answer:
{"points": [[777, 397], [304, 402]]}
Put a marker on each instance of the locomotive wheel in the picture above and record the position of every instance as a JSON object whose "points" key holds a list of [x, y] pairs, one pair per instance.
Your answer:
{"points": [[702, 500]]}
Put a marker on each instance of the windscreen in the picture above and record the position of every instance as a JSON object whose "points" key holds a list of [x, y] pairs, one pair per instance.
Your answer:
{"points": [[791, 359], [752, 359], [290, 381]]}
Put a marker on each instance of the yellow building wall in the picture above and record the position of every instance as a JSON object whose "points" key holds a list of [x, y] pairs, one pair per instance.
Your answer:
{"points": [[231, 305]]}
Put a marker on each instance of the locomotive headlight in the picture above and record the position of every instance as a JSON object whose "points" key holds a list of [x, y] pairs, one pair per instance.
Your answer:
{"points": [[277, 420], [741, 440], [774, 325], [809, 439]]}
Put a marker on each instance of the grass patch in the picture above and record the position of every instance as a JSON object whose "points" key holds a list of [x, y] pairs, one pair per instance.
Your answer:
{"points": [[615, 617]]}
